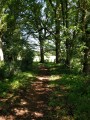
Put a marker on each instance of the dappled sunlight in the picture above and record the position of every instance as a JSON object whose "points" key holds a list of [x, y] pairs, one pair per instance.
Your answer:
{"points": [[30, 102], [44, 96], [23, 102], [2, 118], [28, 74], [43, 78], [55, 77], [15, 84], [20, 112], [10, 117], [38, 114]]}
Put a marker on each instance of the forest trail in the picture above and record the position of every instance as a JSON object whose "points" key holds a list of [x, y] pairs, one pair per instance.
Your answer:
{"points": [[31, 103]]}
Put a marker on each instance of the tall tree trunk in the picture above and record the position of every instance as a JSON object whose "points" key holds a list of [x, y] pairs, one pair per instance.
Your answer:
{"points": [[57, 41], [68, 45], [57, 9], [85, 38], [57, 29], [41, 48], [63, 12], [68, 57], [86, 63]]}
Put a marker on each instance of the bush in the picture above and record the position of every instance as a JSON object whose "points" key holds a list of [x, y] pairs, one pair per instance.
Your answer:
{"points": [[27, 59], [6, 70], [3, 71]]}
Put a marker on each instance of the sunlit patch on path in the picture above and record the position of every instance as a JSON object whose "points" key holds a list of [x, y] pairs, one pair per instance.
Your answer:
{"points": [[30, 103]]}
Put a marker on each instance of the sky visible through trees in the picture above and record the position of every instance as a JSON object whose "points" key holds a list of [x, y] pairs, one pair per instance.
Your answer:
{"points": [[52, 27], [45, 29]]}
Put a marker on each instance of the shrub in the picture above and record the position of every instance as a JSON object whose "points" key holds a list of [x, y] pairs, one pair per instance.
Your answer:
{"points": [[27, 59]]}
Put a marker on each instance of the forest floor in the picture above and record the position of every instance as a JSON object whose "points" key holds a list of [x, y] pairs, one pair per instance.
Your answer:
{"points": [[47, 95], [29, 103]]}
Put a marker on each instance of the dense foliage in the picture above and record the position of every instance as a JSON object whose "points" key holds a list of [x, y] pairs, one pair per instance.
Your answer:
{"points": [[59, 28]]}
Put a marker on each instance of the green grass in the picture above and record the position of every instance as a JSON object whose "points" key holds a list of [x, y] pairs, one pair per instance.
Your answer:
{"points": [[21, 79], [70, 98], [71, 95]]}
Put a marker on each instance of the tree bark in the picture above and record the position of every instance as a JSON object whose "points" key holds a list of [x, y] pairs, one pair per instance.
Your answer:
{"points": [[86, 63], [41, 48], [85, 38], [68, 44], [57, 31], [57, 41], [56, 9]]}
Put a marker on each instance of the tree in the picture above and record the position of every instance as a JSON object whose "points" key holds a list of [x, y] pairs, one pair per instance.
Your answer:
{"points": [[56, 10], [85, 9], [34, 25], [13, 40]]}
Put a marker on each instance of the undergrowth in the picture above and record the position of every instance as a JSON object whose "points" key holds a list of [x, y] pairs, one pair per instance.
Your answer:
{"points": [[71, 96]]}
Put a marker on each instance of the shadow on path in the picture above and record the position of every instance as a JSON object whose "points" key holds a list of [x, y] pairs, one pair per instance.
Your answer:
{"points": [[30, 103]]}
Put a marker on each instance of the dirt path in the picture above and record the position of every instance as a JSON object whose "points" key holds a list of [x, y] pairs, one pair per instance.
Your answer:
{"points": [[31, 103]]}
